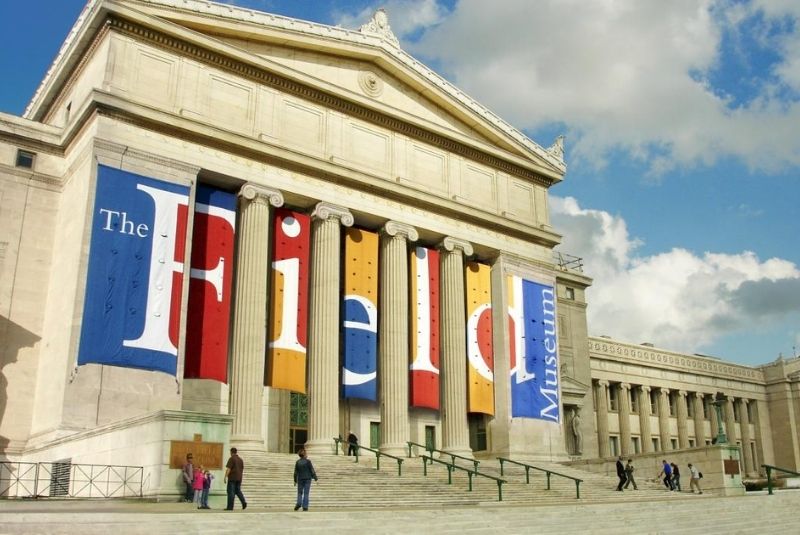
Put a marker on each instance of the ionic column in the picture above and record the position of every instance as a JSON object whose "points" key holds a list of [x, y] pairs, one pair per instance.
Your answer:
{"points": [[712, 418], [683, 418], [455, 429], [730, 421], [324, 326], [625, 418], [602, 418], [249, 338], [644, 419], [393, 340], [699, 428], [663, 418], [744, 424], [759, 457]]}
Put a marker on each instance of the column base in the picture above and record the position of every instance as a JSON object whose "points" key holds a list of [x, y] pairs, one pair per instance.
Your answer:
{"points": [[398, 450], [248, 443], [320, 447]]}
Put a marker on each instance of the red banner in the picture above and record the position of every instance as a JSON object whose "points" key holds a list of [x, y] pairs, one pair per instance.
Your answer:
{"points": [[424, 375]]}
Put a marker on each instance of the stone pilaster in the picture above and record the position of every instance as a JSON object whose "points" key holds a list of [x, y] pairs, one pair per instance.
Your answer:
{"points": [[393, 340], [712, 418], [730, 421], [249, 337], [602, 418], [324, 326], [455, 429], [683, 421], [699, 420], [625, 418], [644, 419], [744, 425], [663, 419], [756, 408]]}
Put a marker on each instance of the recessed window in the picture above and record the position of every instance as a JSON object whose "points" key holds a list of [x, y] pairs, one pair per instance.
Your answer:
{"points": [[25, 159], [570, 293]]}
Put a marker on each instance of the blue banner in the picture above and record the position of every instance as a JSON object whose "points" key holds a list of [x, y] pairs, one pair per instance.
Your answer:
{"points": [[131, 312], [534, 372]]}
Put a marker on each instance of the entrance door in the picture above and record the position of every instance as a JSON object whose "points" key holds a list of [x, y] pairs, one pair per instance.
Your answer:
{"points": [[430, 437], [477, 432], [298, 421], [374, 435]]}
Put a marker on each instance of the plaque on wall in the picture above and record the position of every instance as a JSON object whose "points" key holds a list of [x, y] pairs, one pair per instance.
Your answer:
{"points": [[731, 467], [206, 454]]}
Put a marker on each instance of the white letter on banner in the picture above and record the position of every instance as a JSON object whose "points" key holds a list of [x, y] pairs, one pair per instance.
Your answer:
{"points": [[162, 265], [473, 349], [423, 361], [216, 275], [516, 312], [290, 269]]}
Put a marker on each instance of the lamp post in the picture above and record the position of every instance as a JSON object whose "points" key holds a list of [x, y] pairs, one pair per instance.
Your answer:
{"points": [[719, 399]]}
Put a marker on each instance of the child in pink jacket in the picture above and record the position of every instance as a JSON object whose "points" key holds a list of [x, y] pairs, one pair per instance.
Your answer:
{"points": [[197, 486]]}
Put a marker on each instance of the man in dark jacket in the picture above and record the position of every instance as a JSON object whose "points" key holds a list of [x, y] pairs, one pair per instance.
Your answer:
{"points": [[234, 470], [621, 473], [352, 441], [303, 474]]}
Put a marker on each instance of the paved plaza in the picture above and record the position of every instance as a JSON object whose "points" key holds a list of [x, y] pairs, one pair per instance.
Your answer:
{"points": [[749, 514]]}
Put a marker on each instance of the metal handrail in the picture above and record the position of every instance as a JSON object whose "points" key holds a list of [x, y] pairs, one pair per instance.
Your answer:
{"points": [[545, 470], [453, 456], [68, 480], [470, 473], [377, 453], [770, 468]]}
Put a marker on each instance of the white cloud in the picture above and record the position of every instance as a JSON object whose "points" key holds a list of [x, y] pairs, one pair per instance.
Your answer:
{"points": [[623, 74], [675, 299], [405, 16]]}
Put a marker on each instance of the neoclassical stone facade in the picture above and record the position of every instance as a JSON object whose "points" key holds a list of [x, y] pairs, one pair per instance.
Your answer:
{"points": [[312, 158]]}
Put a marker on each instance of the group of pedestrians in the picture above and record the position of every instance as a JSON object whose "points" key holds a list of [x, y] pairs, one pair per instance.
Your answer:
{"points": [[670, 472], [198, 481]]}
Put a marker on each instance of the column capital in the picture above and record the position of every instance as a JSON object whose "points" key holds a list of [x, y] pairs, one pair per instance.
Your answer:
{"points": [[325, 211], [602, 382], [625, 386], [744, 401], [683, 393], [699, 395], [663, 390], [395, 228], [645, 388], [453, 244], [255, 193]]}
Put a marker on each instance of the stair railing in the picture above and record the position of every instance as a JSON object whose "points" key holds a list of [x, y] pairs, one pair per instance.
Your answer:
{"points": [[453, 456], [770, 468], [452, 467], [547, 472], [378, 455]]}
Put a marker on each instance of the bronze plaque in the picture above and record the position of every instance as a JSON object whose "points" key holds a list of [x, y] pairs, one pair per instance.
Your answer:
{"points": [[206, 454], [731, 467]]}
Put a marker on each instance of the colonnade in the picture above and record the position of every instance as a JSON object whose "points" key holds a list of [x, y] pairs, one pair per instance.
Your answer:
{"points": [[250, 319], [689, 427]]}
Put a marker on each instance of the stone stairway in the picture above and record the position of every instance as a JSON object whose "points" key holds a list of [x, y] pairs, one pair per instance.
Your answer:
{"points": [[345, 483]]}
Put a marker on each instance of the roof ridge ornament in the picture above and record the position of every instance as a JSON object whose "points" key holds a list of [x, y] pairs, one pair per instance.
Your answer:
{"points": [[557, 149], [379, 25]]}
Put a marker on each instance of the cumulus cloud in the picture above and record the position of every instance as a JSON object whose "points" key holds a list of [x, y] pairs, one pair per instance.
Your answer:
{"points": [[623, 75], [675, 299], [405, 16]]}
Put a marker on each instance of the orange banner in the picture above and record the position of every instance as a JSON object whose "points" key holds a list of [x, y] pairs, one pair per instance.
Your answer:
{"points": [[480, 355]]}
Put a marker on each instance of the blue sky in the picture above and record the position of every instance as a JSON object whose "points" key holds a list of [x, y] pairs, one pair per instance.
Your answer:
{"points": [[682, 124]]}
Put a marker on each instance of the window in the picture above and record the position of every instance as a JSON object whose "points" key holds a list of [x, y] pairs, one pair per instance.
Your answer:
{"points": [[613, 398], [736, 415], [673, 443], [708, 442], [654, 402], [25, 159], [750, 412], [613, 444], [706, 408], [656, 445], [673, 403], [570, 293], [636, 445], [690, 407], [691, 443], [634, 397]]}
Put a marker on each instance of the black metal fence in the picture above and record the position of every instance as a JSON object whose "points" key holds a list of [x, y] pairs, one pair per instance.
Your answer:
{"points": [[63, 479]]}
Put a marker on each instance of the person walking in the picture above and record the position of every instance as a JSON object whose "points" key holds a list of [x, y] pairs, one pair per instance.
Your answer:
{"points": [[676, 477], [666, 471], [234, 470], [629, 469], [352, 441], [694, 479], [303, 474], [188, 478], [621, 473]]}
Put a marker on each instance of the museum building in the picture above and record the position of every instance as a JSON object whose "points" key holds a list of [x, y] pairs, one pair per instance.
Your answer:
{"points": [[238, 228]]}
